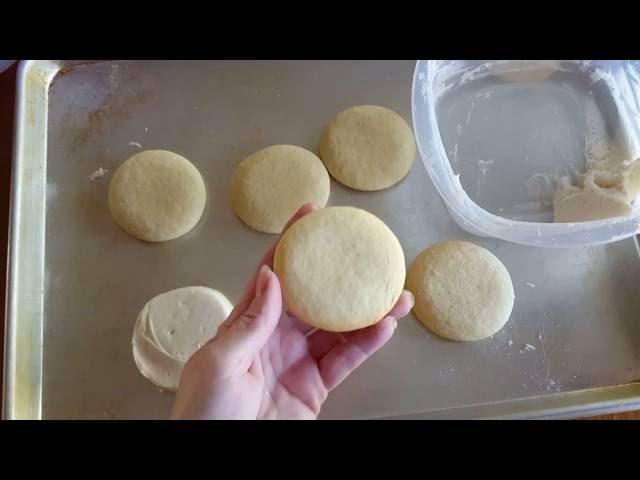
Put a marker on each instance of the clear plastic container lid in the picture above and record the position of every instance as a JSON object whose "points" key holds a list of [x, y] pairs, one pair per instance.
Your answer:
{"points": [[495, 136]]}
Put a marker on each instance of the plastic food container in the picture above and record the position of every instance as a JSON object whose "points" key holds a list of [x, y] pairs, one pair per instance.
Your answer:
{"points": [[494, 137]]}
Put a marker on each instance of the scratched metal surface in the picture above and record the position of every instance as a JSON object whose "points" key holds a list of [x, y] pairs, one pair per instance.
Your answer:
{"points": [[581, 320]]}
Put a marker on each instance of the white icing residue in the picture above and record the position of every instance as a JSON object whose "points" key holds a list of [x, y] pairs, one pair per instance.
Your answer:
{"points": [[455, 153], [424, 87], [134, 144], [542, 187], [456, 180], [610, 187], [455, 74], [484, 165]]}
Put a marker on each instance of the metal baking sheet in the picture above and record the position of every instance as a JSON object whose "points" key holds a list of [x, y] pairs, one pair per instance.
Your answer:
{"points": [[77, 282]]}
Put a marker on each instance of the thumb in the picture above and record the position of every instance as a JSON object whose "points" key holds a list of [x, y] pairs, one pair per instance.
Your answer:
{"points": [[249, 332]]}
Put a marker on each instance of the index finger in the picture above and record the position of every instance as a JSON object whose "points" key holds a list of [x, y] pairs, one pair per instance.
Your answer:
{"points": [[267, 259]]}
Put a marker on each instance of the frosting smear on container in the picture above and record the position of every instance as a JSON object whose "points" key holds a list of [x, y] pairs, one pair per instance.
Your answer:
{"points": [[611, 184]]}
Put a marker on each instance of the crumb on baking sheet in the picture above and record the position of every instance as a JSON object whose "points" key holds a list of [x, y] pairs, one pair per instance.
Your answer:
{"points": [[527, 348], [101, 172]]}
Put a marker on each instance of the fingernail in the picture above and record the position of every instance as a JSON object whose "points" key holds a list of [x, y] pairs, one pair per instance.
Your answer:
{"points": [[263, 277], [394, 322], [411, 297]]}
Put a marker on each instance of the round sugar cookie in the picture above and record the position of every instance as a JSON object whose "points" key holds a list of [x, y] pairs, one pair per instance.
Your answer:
{"points": [[157, 195], [368, 148], [269, 186], [462, 291], [340, 268]]}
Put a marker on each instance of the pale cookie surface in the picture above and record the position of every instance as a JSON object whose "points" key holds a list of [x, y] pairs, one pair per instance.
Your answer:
{"points": [[368, 148], [173, 326], [462, 291], [341, 269], [157, 195], [269, 186]]}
